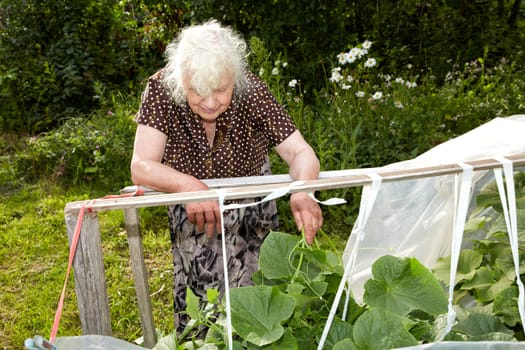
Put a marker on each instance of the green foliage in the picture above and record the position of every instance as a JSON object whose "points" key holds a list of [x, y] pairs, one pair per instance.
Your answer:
{"points": [[375, 118], [60, 63], [425, 35], [486, 271], [52, 53], [259, 313], [95, 151], [288, 306], [392, 288]]}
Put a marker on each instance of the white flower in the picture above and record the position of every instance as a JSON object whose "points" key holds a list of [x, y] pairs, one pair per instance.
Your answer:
{"points": [[400, 80], [411, 85], [360, 94], [349, 78], [351, 57], [285, 64], [277, 63], [261, 72], [346, 86], [371, 62], [358, 52], [399, 105], [292, 83], [367, 44], [377, 95], [336, 76], [341, 58], [275, 71]]}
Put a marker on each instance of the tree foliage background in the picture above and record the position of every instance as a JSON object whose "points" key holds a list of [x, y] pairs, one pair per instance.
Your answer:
{"points": [[57, 56]]}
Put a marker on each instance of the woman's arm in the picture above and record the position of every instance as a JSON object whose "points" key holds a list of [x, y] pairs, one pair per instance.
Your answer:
{"points": [[147, 170], [304, 165]]}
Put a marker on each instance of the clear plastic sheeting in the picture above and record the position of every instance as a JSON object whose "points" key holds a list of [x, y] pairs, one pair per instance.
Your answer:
{"points": [[415, 218], [94, 342]]}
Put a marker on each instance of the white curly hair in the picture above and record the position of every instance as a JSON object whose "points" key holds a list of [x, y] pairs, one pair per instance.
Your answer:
{"points": [[204, 53]]}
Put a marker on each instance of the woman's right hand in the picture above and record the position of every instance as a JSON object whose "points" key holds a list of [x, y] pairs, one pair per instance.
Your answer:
{"points": [[205, 215], [147, 170]]}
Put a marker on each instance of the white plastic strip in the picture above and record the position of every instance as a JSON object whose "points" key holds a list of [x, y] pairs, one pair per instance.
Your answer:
{"points": [[368, 198], [273, 195], [284, 191], [462, 203], [331, 201], [221, 194], [509, 211]]}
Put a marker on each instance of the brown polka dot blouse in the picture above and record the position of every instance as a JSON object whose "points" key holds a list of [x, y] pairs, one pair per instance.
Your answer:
{"points": [[244, 132]]}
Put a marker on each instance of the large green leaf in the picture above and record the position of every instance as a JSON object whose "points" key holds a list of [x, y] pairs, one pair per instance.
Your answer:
{"points": [[339, 331], [488, 284], [506, 306], [345, 344], [404, 285], [381, 329], [478, 324], [500, 225], [469, 261], [275, 254], [257, 313], [287, 342]]}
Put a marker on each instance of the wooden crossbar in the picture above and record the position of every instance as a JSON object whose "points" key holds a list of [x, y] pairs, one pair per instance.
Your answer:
{"points": [[90, 282], [257, 186]]}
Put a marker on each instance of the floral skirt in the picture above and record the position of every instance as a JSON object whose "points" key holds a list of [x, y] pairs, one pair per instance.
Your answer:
{"points": [[198, 260]]}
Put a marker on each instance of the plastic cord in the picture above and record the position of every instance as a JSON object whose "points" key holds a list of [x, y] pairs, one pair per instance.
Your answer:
{"points": [[368, 199], [509, 211], [462, 202], [221, 194]]}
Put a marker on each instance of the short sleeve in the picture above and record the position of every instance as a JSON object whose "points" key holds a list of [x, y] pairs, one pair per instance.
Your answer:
{"points": [[156, 107], [275, 122]]}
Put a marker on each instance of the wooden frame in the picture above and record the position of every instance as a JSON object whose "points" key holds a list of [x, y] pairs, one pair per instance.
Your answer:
{"points": [[90, 282]]}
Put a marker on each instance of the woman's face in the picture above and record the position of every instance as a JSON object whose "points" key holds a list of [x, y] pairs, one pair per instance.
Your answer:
{"points": [[208, 108]]}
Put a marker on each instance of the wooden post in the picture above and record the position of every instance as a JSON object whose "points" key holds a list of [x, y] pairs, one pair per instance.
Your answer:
{"points": [[90, 277], [140, 276]]}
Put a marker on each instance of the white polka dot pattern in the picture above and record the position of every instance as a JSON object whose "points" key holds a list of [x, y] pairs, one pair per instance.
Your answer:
{"points": [[244, 132]]}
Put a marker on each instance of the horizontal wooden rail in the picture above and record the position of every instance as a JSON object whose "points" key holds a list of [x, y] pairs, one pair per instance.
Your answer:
{"points": [[257, 186], [90, 282]]}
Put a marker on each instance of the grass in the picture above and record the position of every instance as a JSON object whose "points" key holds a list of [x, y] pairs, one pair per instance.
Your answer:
{"points": [[33, 260], [32, 255]]}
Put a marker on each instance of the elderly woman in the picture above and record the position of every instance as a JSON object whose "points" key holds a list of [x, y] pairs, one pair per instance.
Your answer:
{"points": [[202, 116]]}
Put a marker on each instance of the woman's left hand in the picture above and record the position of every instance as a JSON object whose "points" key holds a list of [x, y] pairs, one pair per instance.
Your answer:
{"points": [[307, 214]]}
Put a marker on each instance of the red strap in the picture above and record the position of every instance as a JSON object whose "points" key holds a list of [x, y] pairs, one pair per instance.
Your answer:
{"points": [[72, 251]]}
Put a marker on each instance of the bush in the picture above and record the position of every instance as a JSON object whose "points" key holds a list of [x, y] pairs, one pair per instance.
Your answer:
{"points": [[53, 53], [95, 150]]}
